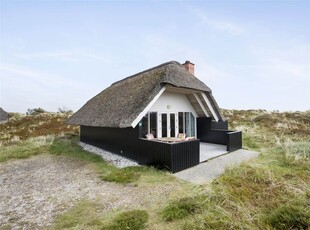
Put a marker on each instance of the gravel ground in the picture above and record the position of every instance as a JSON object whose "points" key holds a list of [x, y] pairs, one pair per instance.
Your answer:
{"points": [[207, 171], [34, 190], [118, 161]]}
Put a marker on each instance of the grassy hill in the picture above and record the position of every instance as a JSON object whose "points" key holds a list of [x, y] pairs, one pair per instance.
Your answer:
{"points": [[22, 126], [270, 192], [265, 128]]}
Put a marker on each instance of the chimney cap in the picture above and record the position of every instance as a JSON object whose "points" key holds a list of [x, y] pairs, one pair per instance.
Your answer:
{"points": [[188, 62]]}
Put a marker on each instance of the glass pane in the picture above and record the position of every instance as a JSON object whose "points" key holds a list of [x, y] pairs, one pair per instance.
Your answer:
{"points": [[164, 125], [172, 125], [187, 125], [192, 125], [144, 124], [153, 124], [181, 129]]}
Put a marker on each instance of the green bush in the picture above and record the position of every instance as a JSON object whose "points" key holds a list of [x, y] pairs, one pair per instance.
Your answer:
{"points": [[65, 109], [134, 219], [181, 208], [35, 111]]}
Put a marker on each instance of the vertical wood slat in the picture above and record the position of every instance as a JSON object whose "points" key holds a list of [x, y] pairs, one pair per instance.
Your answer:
{"points": [[125, 142]]}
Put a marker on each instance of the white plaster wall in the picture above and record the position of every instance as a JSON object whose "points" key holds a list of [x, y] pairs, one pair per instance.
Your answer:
{"points": [[172, 102]]}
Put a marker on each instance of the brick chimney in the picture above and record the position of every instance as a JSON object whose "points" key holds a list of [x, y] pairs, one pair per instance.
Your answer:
{"points": [[190, 67]]}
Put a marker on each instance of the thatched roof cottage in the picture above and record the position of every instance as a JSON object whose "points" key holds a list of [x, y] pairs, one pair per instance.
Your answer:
{"points": [[156, 117], [4, 116]]}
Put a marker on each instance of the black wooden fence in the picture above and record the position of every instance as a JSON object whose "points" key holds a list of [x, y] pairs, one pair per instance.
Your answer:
{"points": [[232, 139], [126, 142]]}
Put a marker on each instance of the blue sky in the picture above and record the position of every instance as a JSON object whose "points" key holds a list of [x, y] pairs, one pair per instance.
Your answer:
{"points": [[252, 54]]}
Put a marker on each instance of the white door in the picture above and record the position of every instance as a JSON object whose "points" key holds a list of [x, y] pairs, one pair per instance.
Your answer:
{"points": [[168, 124]]}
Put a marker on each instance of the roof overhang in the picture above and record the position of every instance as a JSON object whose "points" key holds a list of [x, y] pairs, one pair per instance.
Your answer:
{"points": [[147, 108], [203, 103]]}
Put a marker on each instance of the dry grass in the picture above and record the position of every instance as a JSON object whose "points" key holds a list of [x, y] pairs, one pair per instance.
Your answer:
{"points": [[24, 149], [265, 128], [271, 192], [22, 127]]}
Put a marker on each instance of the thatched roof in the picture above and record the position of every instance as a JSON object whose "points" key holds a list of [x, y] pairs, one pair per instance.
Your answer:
{"points": [[121, 103], [4, 116]]}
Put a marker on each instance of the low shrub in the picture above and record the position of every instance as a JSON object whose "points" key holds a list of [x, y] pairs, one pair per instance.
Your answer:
{"points": [[35, 111], [181, 208], [293, 215], [134, 219], [124, 175]]}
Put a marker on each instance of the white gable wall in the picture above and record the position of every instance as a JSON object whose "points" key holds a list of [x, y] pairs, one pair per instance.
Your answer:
{"points": [[172, 102]]}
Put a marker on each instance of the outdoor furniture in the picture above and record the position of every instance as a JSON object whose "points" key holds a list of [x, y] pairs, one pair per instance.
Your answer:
{"points": [[169, 139], [181, 135]]}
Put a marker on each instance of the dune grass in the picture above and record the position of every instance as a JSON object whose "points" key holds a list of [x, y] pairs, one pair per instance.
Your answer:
{"points": [[271, 192], [88, 215], [23, 127], [25, 149], [84, 215], [181, 208], [133, 219]]}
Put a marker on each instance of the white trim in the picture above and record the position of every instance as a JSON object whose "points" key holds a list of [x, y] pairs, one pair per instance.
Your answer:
{"points": [[168, 125], [210, 106], [201, 105], [158, 125], [146, 109]]}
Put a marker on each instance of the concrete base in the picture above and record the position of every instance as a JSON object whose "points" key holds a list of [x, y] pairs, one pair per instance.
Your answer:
{"points": [[209, 151], [207, 171]]}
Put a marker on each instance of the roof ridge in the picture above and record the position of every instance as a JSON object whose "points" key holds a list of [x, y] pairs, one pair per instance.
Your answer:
{"points": [[144, 71]]}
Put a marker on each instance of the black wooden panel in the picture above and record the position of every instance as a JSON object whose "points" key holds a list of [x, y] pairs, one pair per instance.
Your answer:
{"points": [[234, 141], [157, 153], [123, 142], [126, 142], [223, 125], [185, 155], [206, 134]]}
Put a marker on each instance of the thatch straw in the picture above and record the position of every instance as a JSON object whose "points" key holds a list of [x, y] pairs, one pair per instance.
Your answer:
{"points": [[123, 101]]}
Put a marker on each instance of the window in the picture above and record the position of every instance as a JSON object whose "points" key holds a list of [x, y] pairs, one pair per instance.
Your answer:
{"points": [[189, 124], [170, 124], [153, 123], [148, 125], [192, 125], [181, 122], [164, 125], [144, 126]]}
